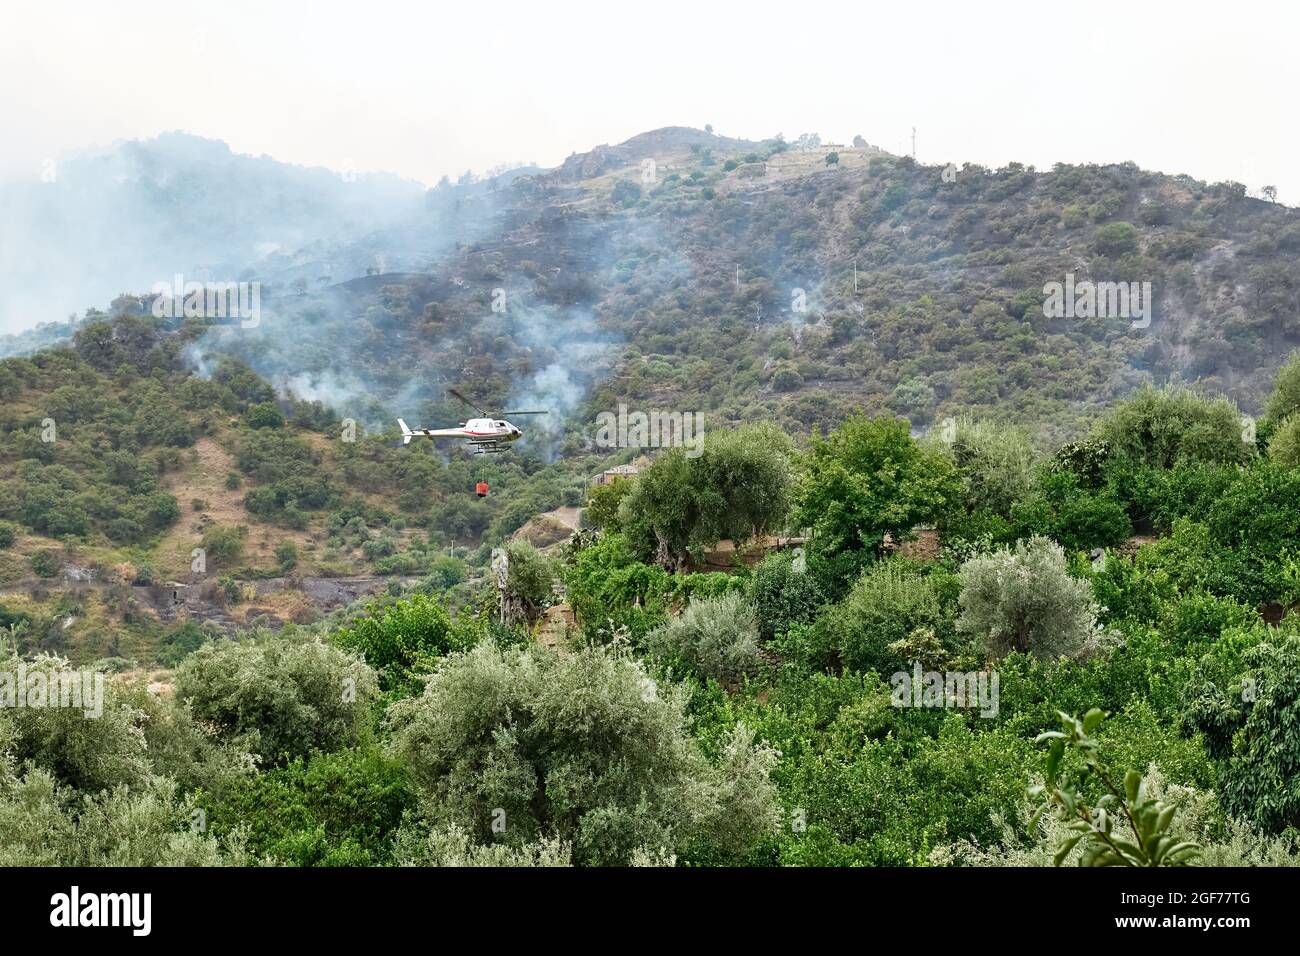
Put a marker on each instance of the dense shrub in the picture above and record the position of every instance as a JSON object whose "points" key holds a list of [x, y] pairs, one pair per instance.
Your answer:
{"points": [[581, 748], [283, 698], [715, 637], [1024, 599]]}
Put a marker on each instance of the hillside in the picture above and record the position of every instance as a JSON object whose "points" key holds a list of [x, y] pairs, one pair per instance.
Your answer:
{"points": [[728, 285], [928, 526], [678, 270]]}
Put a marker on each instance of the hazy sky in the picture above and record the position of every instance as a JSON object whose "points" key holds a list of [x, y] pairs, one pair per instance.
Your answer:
{"points": [[423, 89]]}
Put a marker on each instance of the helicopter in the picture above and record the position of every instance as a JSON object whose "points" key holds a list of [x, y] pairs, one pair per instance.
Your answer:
{"points": [[487, 435]]}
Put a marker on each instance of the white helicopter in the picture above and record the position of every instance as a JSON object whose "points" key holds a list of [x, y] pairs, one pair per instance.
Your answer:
{"points": [[486, 435]]}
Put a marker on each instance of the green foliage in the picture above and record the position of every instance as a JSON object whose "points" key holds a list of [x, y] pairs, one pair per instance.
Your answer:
{"points": [[284, 698], [1284, 443], [265, 415], [404, 638], [1121, 828], [1285, 398], [739, 487], [1077, 518], [45, 824], [1024, 599], [286, 555], [783, 595], [46, 564], [88, 754], [1168, 426], [1115, 239], [716, 638], [603, 502], [224, 547], [582, 748], [1254, 524], [530, 580], [996, 462], [1085, 459], [1251, 726], [338, 809], [869, 479], [887, 603]]}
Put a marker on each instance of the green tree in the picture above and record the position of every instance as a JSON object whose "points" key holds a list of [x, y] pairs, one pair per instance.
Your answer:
{"points": [[46, 563], [265, 415], [223, 547], [783, 595], [284, 698], [1285, 398], [1251, 724], [1164, 427], [286, 555], [408, 636], [890, 601], [738, 488], [603, 502], [996, 461], [869, 479], [583, 748], [1115, 239], [1024, 599], [716, 637], [1284, 443]]}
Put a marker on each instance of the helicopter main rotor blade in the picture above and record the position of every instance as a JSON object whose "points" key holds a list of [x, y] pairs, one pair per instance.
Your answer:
{"points": [[468, 402], [512, 414]]}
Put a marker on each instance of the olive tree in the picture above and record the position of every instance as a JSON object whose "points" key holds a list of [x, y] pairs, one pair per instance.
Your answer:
{"points": [[717, 637], [1024, 599], [737, 488], [283, 697], [520, 745]]}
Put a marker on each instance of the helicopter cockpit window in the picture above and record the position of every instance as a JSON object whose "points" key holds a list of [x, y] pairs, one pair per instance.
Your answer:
{"points": [[501, 424]]}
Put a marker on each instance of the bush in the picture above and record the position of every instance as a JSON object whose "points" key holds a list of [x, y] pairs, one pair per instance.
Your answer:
{"points": [[1284, 444], [1115, 239], [1075, 517], [716, 637], [286, 555], [408, 636], [1164, 427], [89, 753], [284, 698], [869, 479], [1025, 600], [996, 462], [8, 534], [603, 502], [223, 547], [580, 748], [340, 809], [1285, 398], [265, 415], [1253, 726], [46, 564], [888, 603], [530, 582], [1255, 524], [782, 595]]}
